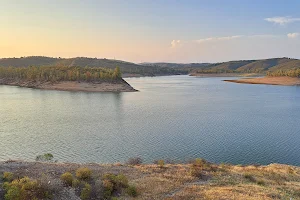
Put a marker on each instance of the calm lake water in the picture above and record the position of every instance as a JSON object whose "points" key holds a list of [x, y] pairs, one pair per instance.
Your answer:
{"points": [[174, 117]]}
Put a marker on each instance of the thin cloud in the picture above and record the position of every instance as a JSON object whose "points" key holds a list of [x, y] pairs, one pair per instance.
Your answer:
{"points": [[282, 20], [218, 38], [175, 43], [212, 39], [262, 36], [293, 35]]}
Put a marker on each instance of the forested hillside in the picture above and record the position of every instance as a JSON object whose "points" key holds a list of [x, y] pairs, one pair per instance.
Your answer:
{"points": [[283, 66], [125, 67], [264, 66]]}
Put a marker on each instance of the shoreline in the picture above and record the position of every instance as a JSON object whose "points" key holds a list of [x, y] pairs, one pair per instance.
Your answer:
{"points": [[75, 86], [284, 81]]}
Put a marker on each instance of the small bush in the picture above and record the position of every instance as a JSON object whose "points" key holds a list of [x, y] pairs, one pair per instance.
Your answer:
{"points": [[83, 173], [291, 170], [132, 191], [24, 188], [249, 177], [13, 193], [86, 192], [67, 178], [75, 183], [134, 161], [261, 182], [196, 171], [114, 183], [108, 188], [8, 176], [161, 163], [199, 166], [47, 157], [119, 181]]}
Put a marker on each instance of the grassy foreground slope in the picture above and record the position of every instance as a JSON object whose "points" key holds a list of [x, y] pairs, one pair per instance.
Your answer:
{"points": [[126, 67], [196, 180]]}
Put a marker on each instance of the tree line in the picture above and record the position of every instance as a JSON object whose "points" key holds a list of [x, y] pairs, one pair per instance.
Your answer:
{"points": [[291, 73], [214, 71], [60, 73]]}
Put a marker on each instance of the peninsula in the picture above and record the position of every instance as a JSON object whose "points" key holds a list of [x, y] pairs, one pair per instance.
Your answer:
{"points": [[283, 80], [87, 79]]}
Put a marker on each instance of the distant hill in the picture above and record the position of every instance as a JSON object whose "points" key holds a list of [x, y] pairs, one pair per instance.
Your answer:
{"points": [[160, 68], [184, 67], [251, 66], [126, 67], [291, 64], [231, 65], [177, 65], [263, 65]]}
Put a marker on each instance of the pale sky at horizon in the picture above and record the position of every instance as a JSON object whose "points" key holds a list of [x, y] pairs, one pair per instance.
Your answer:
{"points": [[151, 30]]}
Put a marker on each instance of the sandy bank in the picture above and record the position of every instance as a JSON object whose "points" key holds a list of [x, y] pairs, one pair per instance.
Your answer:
{"points": [[289, 81], [225, 75], [116, 86]]}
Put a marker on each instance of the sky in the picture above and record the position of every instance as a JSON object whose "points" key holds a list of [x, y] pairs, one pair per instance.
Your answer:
{"points": [[151, 30]]}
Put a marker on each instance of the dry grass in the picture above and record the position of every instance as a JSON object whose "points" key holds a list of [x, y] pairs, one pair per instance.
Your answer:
{"points": [[175, 181]]}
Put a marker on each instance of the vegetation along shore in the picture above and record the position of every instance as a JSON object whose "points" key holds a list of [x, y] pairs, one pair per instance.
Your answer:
{"points": [[279, 77], [197, 179]]}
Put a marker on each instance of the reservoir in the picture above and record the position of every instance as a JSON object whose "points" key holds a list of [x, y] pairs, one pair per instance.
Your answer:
{"points": [[171, 117]]}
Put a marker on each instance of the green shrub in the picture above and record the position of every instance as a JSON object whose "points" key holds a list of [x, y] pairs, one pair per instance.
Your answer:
{"points": [[13, 193], [86, 192], [8, 176], [75, 183], [23, 189], [67, 178], [83, 173], [119, 181], [47, 157], [131, 191], [114, 183], [108, 188]]}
